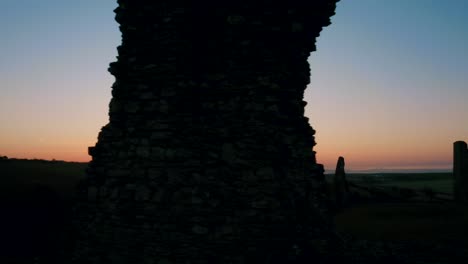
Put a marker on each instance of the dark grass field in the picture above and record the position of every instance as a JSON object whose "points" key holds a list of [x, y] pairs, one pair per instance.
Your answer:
{"points": [[35, 199], [438, 181], [417, 221], [17, 176], [35, 202], [437, 222]]}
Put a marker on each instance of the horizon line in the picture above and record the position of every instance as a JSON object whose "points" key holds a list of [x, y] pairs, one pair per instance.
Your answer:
{"points": [[443, 169]]}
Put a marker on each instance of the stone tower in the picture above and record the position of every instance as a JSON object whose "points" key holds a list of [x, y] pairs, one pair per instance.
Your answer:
{"points": [[341, 188], [460, 171], [207, 157]]}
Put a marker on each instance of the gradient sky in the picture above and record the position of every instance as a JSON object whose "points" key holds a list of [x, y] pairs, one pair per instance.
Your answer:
{"points": [[388, 87]]}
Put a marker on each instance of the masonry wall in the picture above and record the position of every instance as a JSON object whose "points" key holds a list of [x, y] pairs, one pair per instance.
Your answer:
{"points": [[207, 157], [460, 171]]}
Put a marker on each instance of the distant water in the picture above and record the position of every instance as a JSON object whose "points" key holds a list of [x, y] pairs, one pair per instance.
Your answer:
{"points": [[374, 171]]}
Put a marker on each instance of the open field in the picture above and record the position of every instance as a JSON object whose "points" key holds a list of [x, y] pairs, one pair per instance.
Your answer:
{"points": [[439, 182], [445, 186], [406, 221], [35, 203], [40, 216], [16, 176]]}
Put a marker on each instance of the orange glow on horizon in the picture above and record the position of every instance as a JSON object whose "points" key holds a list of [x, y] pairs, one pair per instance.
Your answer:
{"points": [[66, 153], [363, 159]]}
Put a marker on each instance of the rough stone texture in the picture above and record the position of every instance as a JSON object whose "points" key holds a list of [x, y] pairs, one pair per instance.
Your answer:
{"points": [[341, 188], [460, 171], [207, 157]]}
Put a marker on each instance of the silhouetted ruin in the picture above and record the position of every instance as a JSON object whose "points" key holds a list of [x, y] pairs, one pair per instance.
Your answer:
{"points": [[460, 171], [207, 157], [341, 189]]}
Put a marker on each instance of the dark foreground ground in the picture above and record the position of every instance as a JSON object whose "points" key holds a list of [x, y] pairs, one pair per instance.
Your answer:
{"points": [[405, 233], [35, 198]]}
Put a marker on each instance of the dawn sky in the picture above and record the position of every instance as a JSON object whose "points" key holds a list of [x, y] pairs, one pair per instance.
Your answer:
{"points": [[388, 87]]}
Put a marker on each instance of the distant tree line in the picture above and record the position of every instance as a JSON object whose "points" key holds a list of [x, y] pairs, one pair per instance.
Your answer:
{"points": [[36, 160], [5, 158]]}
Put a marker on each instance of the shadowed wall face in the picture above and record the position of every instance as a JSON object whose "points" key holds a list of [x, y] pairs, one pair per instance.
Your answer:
{"points": [[460, 171], [207, 157]]}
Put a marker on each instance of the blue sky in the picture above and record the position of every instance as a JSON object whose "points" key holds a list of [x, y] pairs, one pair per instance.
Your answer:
{"points": [[388, 86], [389, 79]]}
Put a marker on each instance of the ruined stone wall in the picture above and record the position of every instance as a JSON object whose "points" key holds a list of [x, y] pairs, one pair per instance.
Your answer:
{"points": [[207, 157], [460, 171]]}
